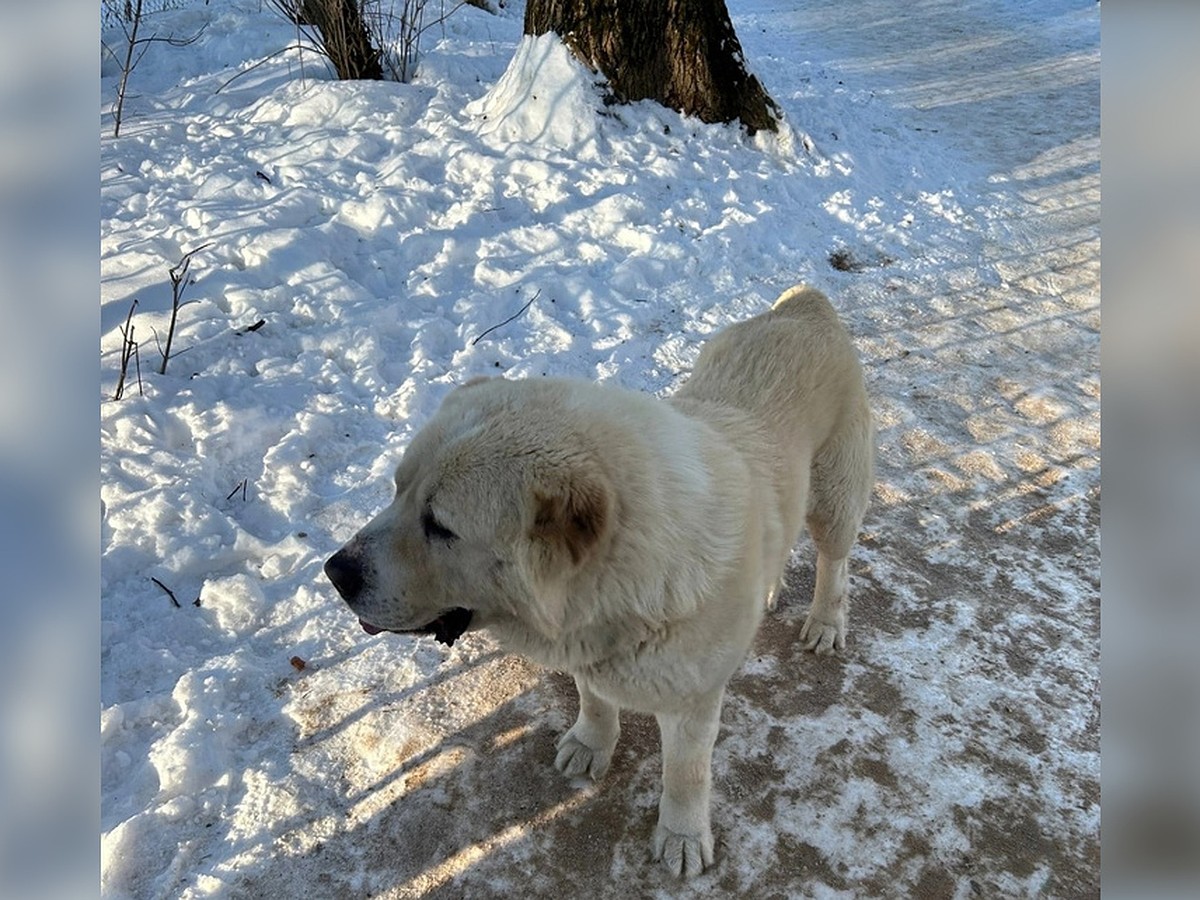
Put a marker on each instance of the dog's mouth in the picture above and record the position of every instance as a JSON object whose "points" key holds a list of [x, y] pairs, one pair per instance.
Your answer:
{"points": [[446, 628]]}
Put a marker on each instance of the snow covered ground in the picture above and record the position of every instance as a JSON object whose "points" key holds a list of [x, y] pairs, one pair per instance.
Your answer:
{"points": [[938, 177]]}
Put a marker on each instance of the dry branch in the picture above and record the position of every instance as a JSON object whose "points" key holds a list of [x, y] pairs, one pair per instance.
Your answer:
{"points": [[240, 486], [488, 331], [129, 350], [170, 593], [179, 282], [132, 14]]}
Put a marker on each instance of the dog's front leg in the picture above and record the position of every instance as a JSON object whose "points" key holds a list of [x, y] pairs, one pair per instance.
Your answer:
{"points": [[587, 747], [683, 839]]}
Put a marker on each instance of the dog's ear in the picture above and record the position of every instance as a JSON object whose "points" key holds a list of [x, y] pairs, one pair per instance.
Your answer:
{"points": [[571, 522]]}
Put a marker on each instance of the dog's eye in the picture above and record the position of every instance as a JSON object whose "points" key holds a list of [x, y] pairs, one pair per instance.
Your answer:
{"points": [[435, 530]]}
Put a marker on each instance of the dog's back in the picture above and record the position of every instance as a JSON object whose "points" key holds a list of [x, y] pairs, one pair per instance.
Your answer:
{"points": [[793, 367], [801, 301]]}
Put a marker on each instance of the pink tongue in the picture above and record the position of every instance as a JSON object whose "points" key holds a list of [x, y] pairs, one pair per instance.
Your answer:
{"points": [[368, 628]]}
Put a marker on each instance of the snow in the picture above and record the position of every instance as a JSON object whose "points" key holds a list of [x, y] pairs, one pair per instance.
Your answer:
{"points": [[497, 217]]}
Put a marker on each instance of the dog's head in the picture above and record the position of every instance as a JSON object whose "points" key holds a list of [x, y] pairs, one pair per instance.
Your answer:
{"points": [[499, 503]]}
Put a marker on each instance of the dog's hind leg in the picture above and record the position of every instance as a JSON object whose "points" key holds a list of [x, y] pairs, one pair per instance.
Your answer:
{"points": [[587, 747], [838, 497], [824, 628]]}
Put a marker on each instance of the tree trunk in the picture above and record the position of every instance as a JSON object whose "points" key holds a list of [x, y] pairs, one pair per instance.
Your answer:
{"points": [[345, 37], [681, 53]]}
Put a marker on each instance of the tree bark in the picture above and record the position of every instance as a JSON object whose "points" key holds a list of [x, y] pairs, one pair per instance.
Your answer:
{"points": [[346, 39], [681, 53]]}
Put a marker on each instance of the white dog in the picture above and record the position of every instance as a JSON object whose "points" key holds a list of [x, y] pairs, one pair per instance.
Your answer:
{"points": [[631, 541]]}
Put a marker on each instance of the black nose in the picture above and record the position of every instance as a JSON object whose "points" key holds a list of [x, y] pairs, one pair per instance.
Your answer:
{"points": [[345, 571]]}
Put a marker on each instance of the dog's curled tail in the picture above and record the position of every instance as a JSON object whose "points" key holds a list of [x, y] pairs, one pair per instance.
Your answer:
{"points": [[800, 300]]}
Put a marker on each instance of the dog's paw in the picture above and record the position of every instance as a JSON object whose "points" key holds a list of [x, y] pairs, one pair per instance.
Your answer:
{"points": [[823, 636], [684, 855], [576, 758]]}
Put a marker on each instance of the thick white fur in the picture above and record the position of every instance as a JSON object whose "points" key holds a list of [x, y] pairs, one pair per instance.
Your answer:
{"points": [[635, 543]]}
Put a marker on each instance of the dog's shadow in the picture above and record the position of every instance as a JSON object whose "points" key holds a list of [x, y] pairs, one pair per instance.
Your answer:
{"points": [[466, 802], [502, 821], [450, 788]]}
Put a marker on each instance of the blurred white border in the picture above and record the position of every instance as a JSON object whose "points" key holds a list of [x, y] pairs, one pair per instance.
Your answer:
{"points": [[49, 482], [1150, 665]]}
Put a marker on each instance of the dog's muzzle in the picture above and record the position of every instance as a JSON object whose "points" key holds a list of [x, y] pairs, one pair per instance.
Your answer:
{"points": [[345, 570]]}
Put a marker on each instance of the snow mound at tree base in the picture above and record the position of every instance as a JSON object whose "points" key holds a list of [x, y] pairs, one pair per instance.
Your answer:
{"points": [[546, 96]]}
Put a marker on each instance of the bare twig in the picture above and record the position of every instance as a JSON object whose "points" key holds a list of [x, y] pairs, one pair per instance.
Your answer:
{"points": [[263, 61], [515, 315], [240, 486], [133, 15], [172, 40], [400, 33], [127, 68], [137, 360], [170, 593], [129, 350], [179, 282]]}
